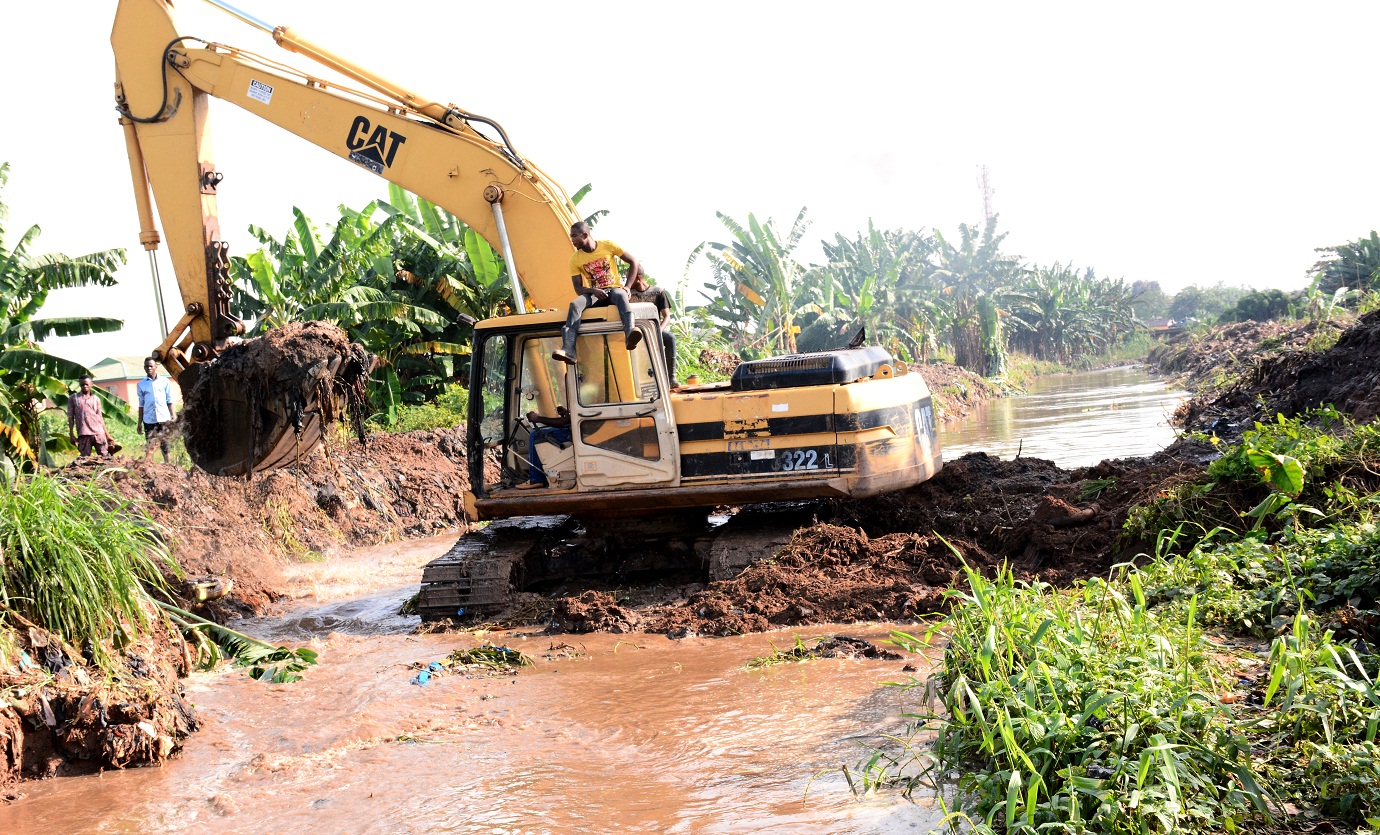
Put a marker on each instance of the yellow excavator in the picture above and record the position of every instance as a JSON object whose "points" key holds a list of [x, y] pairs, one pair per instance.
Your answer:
{"points": [[833, 424]]}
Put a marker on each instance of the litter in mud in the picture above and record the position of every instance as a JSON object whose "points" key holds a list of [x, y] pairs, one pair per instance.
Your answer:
{"points": [[486, 661]]}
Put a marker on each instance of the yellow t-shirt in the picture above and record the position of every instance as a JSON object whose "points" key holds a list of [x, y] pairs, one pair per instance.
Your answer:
{"points": [[598, 268]]}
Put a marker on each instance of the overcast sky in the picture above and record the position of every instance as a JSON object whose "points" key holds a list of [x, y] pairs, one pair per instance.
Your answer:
{"points": [[1174, 142]]}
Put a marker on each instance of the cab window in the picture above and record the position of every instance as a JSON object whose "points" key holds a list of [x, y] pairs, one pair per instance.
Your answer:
{"points": [[608, 373]]}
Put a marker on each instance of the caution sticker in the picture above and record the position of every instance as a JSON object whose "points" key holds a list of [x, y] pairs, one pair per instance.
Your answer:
{"points": [[260, 92]]}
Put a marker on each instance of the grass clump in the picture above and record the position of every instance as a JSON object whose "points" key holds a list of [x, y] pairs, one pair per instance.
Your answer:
{"points": [[76, 559], [792, 655], [1085, 711]]}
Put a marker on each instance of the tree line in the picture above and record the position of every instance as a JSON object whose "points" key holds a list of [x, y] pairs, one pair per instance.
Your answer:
{"points": [[403, 277]]}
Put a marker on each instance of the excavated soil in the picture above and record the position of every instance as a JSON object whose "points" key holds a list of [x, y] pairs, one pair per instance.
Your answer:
{"points": [[281, 376], [893, 557], [347, 494], [1196, 360], [65, 715], [1292, 382]]}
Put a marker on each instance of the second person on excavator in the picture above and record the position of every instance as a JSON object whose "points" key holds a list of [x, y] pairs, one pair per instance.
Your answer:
{"points": [[595, 276]]}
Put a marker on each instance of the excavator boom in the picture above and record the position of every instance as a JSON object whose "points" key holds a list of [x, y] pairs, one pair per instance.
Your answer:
{"points": [[164, 82]]}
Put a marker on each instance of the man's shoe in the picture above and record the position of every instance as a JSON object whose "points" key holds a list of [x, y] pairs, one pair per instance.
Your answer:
{"points": [[634, 337], [532, 485], [563, 357], [675, 385]]}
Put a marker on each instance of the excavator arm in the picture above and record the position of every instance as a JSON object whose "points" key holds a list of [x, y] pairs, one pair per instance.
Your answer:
{"points": [[437, 151]]}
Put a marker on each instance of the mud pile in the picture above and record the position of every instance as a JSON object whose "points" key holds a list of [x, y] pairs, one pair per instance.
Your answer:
{"points": [[1346, 376], [956, 391], [65, 715], [1195, 359], [291, 380], [893, 557], [345, 494]]}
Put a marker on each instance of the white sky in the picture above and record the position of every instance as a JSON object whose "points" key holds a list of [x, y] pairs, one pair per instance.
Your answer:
{"points": [[1180, 142]]}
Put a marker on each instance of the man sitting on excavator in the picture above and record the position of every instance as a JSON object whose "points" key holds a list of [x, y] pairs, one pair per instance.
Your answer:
{"points": [[594, 273]]}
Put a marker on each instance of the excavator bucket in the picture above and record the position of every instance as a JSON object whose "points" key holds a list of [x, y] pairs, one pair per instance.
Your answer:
{"points": [[265, 402]]}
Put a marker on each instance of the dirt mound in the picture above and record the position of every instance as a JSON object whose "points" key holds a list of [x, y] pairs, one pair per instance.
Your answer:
{"points": [[592, 611], [1346, 376], [347, 494], [64, 715], [1195, 359], [956, 391], [893, 557], [239, 405]]}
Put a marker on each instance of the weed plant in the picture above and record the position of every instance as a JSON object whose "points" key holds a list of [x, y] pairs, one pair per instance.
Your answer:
{"points": [[76, 558], [1222, 685], [794, 655]]}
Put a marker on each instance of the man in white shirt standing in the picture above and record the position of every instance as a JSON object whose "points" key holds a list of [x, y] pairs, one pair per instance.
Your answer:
{"points": [[155, 409]]}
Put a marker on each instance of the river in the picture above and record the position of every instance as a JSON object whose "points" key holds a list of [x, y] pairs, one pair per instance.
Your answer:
{"points": [[605, 733], [1074, 420]]}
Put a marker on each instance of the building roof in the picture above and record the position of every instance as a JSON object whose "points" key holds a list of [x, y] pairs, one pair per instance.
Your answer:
{"points": [[121, 368]]}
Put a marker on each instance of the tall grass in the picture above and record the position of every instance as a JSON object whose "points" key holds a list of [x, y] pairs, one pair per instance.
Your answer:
{"points": [[1087, 712], [1108, 707], [76, 557]]}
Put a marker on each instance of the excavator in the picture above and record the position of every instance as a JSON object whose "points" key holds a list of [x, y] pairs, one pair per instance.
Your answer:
{"points": [[647, 464]]}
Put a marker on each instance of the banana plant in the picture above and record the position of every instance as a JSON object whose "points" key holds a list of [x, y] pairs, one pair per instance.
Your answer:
{"points": [[975, 274], [29, 375], [759, 289]]}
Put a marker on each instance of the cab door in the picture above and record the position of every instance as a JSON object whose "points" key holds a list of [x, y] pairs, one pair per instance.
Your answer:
{"points": [[621, 419]]}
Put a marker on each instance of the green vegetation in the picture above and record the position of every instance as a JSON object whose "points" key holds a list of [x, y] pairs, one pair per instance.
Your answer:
{"points": [[77, 557], [28, 374], [1219, 687], [1353, 265], [447, 411], [487, 656], [793, 655], [214, 643], [917, 294]]}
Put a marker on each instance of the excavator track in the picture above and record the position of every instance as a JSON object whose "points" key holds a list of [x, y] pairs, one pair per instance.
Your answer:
{"points": [[481, 574]]}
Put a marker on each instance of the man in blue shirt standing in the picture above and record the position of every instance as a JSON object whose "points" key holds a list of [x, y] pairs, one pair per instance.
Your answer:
{"points": [[155, 409]]}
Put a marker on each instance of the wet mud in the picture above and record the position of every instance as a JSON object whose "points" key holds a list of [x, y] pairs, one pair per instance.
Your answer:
{"points": [[241, 403], [63, 714]]}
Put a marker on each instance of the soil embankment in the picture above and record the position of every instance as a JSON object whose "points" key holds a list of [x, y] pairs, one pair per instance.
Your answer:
{"points": [[66, 714], [350, 494], [955, 391], [1294, 380]]}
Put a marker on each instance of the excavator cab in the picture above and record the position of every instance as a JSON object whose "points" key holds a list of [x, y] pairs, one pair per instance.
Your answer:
{"points": [[623, 429]]}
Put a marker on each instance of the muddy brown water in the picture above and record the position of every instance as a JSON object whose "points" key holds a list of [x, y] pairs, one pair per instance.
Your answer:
{"points": [[635, 733], [1074, 420]]}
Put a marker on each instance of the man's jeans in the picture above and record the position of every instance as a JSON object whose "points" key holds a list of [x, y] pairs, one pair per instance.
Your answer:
{"points": [[618, 297]]}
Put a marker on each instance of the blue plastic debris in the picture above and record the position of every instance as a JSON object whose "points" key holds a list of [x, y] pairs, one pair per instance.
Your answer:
{"points": [[434, 666], [460, 613], [422, 678]]}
